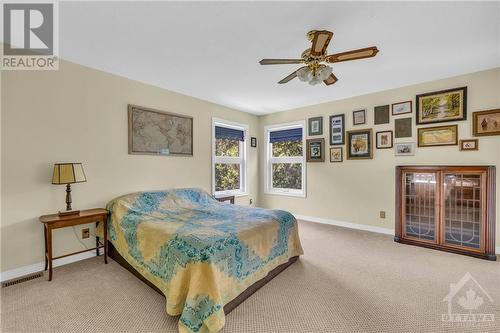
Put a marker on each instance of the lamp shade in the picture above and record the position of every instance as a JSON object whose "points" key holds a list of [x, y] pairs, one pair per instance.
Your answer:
{"points": [[68, 173]]}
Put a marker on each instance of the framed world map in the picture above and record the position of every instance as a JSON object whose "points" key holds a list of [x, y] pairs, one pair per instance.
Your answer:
{"points": [[153, 132]]}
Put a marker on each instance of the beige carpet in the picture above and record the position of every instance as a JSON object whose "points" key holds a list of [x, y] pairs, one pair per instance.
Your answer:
{"points": [[347, 281]]}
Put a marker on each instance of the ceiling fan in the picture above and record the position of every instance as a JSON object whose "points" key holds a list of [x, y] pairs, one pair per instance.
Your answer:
{"points": [[314, 58]]}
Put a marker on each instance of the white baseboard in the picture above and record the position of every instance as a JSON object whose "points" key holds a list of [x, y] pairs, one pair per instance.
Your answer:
{"points": [[35, 268], [364, 227]]}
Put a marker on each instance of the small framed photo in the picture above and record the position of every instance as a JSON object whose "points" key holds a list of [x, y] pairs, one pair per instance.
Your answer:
{"points": [[359, 144], [469, 144], [359, 117], [315, 126], [402, 128], [253, 142], [337, 128], [438, 136], [404, 149], [336, 154], [384, 140], [401, 108], [381, 114], [315, 150], [486, 122]]}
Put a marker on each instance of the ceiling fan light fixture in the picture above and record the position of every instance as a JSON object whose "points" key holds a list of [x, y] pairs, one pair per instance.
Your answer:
{"points": [[324, 72], [304, 74], [315, 80]]}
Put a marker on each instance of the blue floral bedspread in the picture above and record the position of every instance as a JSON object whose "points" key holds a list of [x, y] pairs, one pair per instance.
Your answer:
{"points": [[199, 252]]}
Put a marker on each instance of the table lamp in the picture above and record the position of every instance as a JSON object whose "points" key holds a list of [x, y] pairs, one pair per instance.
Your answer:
{"points": [[68, 173]]}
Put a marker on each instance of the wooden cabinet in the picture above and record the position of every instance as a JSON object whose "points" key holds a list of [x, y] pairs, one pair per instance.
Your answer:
{"points": [[450, 208]]}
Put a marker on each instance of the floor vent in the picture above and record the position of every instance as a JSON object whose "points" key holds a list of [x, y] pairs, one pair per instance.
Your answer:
{"points": [[22, 279]]}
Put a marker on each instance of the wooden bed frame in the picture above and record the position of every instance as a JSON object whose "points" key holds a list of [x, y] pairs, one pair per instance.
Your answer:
{"points": [[113, 253]]}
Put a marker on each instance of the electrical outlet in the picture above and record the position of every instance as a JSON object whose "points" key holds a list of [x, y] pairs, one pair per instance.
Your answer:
{"points": [[382, 214], [85, 233]]}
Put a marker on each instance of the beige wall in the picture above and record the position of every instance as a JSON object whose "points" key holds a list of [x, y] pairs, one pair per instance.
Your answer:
{"points": [[80, 114], [355, 191]]}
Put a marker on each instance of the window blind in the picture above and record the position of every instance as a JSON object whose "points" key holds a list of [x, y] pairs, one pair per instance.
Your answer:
{"points": [[293, 134], [229, 133]]}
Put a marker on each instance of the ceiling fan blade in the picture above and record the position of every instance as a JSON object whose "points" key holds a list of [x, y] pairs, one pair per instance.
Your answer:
{"points": [[330, 80], [320, 42], [280, 61], [367, 52], [288, 78]]}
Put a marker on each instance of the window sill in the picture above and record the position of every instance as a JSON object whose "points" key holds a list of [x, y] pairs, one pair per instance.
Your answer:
{"points": [[286, 194], [236, 194]]}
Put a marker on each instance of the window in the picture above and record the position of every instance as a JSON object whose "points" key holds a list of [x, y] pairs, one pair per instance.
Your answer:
{"points": [[229, 141], [285, 163]]}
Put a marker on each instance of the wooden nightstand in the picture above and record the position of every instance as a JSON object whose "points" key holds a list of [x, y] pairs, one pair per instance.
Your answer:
{"points": [[224, 198], [55, 221]]}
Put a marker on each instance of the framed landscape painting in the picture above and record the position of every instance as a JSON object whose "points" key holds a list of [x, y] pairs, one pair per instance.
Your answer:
{"points": [[442, 106], [359, 144], [438, 136], [315, 150], [486, 122], [153, 132], [337, 128]]}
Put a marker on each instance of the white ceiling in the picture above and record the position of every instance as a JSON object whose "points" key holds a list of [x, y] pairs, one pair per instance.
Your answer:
{"points": [[211, 50]]}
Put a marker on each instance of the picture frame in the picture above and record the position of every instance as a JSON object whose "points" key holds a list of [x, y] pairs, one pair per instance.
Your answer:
{"points": [[141, 120], [401, 108], [384, 139], [315, 126], [404, 149], [442, 106], [359, 117], [469, 144], [403, 128], [438, 136], [360, 144], [486, 123], [253, 142], [381, 114], [315, 150], [337, 130], [336, 154]]}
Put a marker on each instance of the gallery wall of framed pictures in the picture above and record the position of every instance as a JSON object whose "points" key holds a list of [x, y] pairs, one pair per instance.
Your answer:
{"points": [[432, 123]]}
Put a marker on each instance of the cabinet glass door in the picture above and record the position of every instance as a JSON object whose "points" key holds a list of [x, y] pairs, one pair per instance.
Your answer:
{"points": [[419, 205], [462, 209]]}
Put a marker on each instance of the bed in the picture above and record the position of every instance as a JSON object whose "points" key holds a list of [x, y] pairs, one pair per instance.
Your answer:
{"points": [[204, 256]]}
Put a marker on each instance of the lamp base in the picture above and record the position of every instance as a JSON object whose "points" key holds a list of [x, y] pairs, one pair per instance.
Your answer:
{"points": [[69, 212]]}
